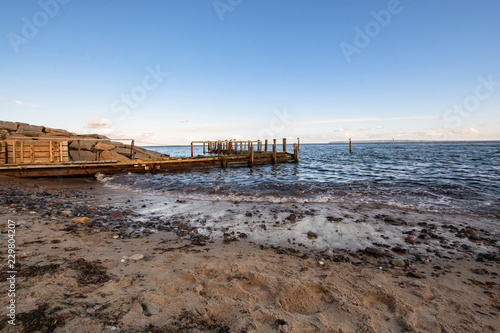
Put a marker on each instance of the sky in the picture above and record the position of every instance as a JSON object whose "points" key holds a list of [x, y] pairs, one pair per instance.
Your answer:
{"points": [[170, 72]]}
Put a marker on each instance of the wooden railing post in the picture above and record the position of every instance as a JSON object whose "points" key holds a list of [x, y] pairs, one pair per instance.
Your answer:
{"points": [[132, 149], [274, 151]]}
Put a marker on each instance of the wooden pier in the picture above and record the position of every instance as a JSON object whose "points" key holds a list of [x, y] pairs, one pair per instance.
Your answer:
{"points": [[58, 165]]}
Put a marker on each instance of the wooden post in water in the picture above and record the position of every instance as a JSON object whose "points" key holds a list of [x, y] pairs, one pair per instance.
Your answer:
{"points": [[284, 145], [350, 146], [192, 151], [274, 151], [132, 149], [223, 162], [296, 152], [298, 142], [259, 146], [250, 161], [229, 147], [265, 145]]}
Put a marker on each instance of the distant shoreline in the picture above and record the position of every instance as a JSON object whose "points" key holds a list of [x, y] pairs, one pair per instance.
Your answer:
{"points": [[360, 141]]}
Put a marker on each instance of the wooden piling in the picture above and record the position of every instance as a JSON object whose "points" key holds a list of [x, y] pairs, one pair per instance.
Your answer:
{"points": [[296, 152], [251, 156], [350, 146], [274, 151], [192, 150], [132, 150], [284, 145], [265, 146]]}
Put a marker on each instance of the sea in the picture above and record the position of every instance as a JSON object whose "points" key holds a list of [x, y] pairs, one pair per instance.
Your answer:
{"points": [[447, 177]]}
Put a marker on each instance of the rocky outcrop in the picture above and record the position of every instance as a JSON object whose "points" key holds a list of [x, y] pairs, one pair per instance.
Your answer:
{"points": [[85, 147]]}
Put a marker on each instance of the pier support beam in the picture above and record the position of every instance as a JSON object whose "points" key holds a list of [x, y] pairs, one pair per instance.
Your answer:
{"points": [[274, 151], [250, 159], [284, 145], [296, 152]]}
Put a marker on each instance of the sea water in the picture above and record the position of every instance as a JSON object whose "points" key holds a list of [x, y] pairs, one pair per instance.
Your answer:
{"points": [[451, 177]]}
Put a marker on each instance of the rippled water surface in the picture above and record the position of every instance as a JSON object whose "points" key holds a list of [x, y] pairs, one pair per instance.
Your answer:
{"points": [[461, 177]]}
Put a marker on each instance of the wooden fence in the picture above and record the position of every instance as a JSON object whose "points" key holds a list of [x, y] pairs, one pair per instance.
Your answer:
{"points": [[33, 151]]}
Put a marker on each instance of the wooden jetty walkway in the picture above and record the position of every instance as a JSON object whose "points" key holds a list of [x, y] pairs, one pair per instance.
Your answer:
{"points": [[25, 160]]}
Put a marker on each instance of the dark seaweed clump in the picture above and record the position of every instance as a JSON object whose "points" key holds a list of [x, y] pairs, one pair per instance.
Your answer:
{"points": [[89, 272]]}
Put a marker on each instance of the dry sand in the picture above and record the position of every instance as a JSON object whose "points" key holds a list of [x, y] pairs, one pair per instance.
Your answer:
{"points": [[207, 273]]}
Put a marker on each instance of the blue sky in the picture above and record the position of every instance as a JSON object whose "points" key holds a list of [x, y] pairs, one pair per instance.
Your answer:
{"points": [[168, 72]]}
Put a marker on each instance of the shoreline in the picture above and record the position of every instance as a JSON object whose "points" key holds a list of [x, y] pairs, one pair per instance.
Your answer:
{"points": [[223, 266]]}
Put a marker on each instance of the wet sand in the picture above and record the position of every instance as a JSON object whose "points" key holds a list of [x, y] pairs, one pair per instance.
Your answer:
{"points": [[158, 264]]}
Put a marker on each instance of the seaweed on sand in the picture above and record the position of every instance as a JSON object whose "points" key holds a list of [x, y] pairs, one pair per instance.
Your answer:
{"points": [[41, 319], [89, 272], [190, 322]]}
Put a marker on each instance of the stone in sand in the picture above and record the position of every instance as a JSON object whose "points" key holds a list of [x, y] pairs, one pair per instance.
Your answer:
{"points": [[149, 309], [312, 235], [116, 214], [82, 219]]}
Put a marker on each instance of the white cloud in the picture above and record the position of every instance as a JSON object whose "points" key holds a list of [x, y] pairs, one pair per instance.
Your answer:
{"points": [[327, 121], [465, 130], [98, 123], [26, 104], [343, 129]]}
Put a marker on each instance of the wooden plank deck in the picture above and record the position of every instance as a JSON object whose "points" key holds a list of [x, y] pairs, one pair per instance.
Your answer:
{"points": [[61, 169]]}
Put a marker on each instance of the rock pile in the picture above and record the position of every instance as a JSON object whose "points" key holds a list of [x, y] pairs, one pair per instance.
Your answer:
{"points": [[82, 147]]}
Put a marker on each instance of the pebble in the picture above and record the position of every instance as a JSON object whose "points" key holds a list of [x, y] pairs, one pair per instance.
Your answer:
{"points": [[312, 235], [149, 309], [133, 257], [82, 219], [397, 263], [411, 239], [415, 283], [374, 252], [116, 214]]}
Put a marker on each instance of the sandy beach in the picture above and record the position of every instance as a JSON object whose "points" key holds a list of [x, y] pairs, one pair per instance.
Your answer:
{"points": [[95, 259]]}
